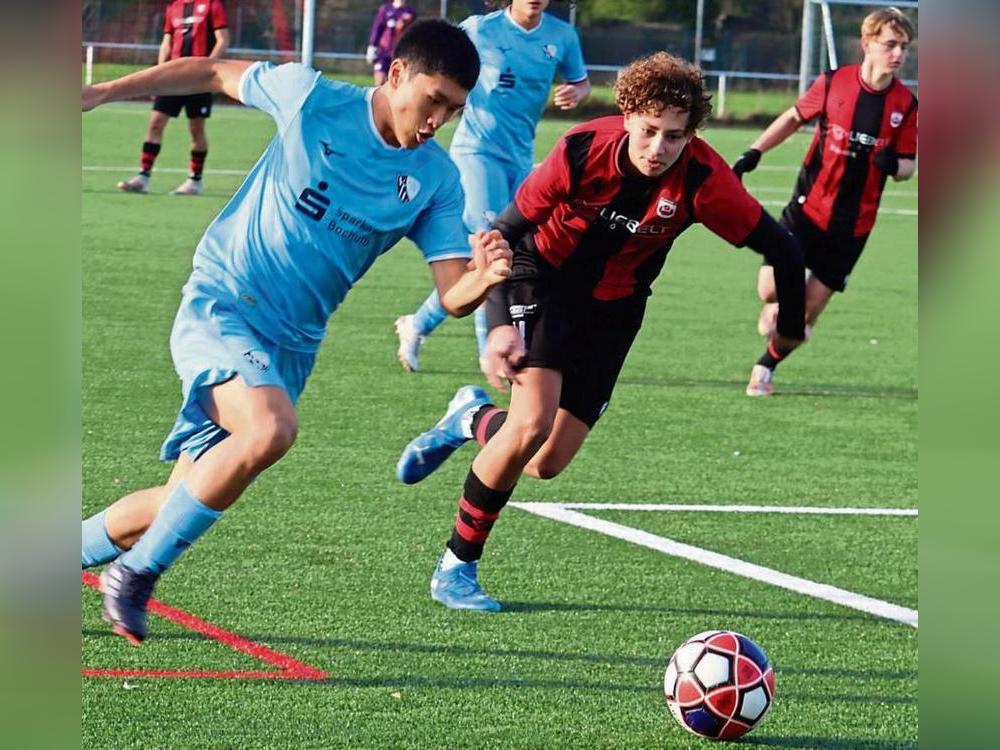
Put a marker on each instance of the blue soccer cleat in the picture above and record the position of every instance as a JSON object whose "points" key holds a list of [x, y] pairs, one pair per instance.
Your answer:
{"points": [[458, 588], [126, 596], [429, 450]]}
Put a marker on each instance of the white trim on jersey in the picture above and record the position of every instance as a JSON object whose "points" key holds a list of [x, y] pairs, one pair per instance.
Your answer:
{"points": [[370, 99]]}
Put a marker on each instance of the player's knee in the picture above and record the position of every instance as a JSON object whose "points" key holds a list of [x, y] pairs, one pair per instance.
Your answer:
{"points": [[532, 431], [549, 467], [270, 438]]}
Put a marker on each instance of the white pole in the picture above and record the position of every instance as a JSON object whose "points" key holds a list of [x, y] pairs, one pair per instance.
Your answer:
{"points": [[308, 30], [722, 95], [572, 13], [444, 9], [89, 75], [831, 42], [806, 51], [698, 22]]}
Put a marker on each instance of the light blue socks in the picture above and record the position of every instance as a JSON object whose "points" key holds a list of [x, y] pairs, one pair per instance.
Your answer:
{"points": [[97, 545], [181, 521], [430, 315]]}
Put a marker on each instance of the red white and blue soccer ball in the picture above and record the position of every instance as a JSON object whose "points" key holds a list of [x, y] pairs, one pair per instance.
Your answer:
{"points": [[719, 685]]}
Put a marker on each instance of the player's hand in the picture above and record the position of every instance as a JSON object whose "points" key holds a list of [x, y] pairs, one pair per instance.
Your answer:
{"points": [[370, 54], [90, 97], [491, 256], [505, 357], [887, 160], [747, 162], [566, 96]]}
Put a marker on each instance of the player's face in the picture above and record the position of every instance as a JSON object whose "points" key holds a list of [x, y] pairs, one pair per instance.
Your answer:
{"points": [[656, 140], [888, 50], [421, 103], [529, 8]]}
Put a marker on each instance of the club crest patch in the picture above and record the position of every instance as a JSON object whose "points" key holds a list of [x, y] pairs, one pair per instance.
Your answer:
{"points": [[896, 119], [666, 208], [407, 188]]}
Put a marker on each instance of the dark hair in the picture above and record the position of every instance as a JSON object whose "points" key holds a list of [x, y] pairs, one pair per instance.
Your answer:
{"points": [[435, 47], [663, 80]]}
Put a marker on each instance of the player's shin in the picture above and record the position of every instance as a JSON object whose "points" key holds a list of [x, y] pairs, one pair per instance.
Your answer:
{"points": [[429, 315], [478, 509], [98, 548]]}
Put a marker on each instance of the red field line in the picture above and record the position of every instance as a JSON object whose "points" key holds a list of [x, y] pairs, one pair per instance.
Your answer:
{"points": [[290, 669]]}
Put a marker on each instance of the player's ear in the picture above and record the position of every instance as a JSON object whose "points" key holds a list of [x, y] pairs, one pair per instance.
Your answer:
{"points": [[397, 73]]}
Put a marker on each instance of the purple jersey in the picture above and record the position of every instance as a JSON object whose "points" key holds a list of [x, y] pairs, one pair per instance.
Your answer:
{"points": [[390, 23]]}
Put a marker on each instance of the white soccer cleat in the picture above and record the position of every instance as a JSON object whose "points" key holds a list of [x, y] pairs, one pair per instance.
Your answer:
{"points": [[767, 321], [410, 343], [188, 187], [137, 184], [761, 381]]}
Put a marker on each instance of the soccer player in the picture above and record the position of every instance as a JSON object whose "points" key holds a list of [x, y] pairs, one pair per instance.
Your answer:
{"points": [[349, 173], [591, 229], [391, 20], [190, 29], [522, 48], [866, 131]]}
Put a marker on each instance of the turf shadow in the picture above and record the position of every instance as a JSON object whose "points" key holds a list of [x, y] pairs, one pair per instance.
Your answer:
{"points": [[825, 743]]}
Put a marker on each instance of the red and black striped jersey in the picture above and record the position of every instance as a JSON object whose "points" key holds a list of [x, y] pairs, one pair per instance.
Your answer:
{"points": [[839, 186], [615, 230], [192, 26]]}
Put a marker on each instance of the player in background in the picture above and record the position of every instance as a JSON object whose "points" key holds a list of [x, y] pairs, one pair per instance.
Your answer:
{"points": [[190, 29], [591, 229], [866, 131], [391, 20], [521, 49], [349, 173]]}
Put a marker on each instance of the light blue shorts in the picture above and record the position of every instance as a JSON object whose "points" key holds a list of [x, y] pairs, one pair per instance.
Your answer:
{"points": [[210, 343], [489, 185]]}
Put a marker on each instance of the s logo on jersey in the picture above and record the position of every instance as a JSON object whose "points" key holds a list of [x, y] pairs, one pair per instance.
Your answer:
{"points": [[666, 208], [312, 202], [506, 80], [407, 188]]}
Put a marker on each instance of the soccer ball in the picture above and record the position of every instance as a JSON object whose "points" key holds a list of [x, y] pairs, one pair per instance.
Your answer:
{"points": [[719, 685]]}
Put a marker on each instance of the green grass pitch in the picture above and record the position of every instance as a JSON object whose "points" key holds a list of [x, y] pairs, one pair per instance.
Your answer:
{"points": [[327, 558]]}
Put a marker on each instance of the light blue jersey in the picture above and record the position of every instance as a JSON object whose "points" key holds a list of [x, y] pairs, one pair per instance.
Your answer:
{"points": [[325, 199], [517, 70]]}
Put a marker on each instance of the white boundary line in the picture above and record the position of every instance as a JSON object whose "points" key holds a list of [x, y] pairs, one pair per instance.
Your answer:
{"points": [[796, 510], [877, 607]]}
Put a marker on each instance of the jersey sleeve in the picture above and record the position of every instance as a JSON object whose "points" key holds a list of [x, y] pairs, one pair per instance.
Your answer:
{"points": [[438, 230], [810, 104], [906, 141], [279, 90], [546, 187], [572, 69], [168, 25], [218, 16], [725, 207]]}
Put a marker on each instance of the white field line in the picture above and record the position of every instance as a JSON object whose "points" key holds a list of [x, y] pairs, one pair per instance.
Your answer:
{"points": [[870, 605], [796, 510], [242, 172]]}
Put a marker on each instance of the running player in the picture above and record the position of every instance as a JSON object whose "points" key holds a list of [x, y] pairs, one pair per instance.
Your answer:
{"points": [[866, 131], [522, 49], [349, 173], [190, 29], [591, 229]]}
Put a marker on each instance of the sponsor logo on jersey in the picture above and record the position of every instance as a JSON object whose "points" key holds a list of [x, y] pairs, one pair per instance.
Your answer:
{"points": [[853, 136], [666, 208], [506, 80], [633, 226], [202, 8], [896, 119], [407, 187], [312, 202]]}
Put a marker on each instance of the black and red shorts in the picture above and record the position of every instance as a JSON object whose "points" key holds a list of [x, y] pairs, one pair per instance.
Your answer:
{"points": [[585, 339], [829, 256], [194, 105]]}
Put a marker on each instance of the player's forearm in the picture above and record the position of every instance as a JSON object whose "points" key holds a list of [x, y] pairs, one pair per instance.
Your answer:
{"points": [[186, 75], [497, 309], [164, 53], [779, 131], [780, 248], [466, 294], [221, 43]]}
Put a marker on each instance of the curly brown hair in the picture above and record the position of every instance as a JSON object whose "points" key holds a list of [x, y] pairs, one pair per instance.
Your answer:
{"points": [[652, 83]]}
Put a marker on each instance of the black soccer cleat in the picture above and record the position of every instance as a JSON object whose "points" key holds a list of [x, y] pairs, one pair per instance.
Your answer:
{"points": [[126, 596]]}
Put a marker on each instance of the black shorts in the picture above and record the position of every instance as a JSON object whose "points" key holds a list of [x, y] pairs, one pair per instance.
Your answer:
{"points": [[585, 339], [194, 105], [829, 256]]}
